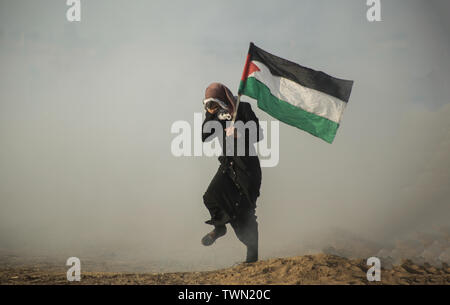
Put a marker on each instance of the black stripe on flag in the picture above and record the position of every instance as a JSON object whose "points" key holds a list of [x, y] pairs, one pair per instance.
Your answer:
{"points": [[317, 80]]}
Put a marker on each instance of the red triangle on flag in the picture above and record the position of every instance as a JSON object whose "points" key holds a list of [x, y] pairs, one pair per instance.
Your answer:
{"points": [[249, 68]]}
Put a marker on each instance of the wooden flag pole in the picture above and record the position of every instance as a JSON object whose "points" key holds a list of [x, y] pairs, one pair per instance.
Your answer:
{"points": [[235, 112]]}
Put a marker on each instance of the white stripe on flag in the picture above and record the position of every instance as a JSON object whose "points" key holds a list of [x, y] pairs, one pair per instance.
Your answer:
{"points": [[310, 100]]}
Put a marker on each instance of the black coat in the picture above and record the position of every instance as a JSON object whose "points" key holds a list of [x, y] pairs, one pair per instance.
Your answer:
{"points": [[237, 182]]}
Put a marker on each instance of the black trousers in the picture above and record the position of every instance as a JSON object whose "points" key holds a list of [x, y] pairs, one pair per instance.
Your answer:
{"points": [[224, 199]]}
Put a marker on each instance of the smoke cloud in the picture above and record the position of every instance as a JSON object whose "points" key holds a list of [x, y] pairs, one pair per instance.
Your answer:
{"points": [[86, 109]]}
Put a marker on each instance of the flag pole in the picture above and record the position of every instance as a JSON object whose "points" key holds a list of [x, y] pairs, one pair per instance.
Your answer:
{"points": [[235, 112], [243, 79]]}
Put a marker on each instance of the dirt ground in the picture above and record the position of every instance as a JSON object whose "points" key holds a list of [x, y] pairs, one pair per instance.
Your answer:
{"points": [[308, 269]]}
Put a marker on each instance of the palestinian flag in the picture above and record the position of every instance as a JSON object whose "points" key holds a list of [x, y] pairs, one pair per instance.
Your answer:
{"points": [[307, 99]]}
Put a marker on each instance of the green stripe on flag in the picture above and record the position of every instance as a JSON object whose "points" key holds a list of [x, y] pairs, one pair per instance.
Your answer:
{"points": [[316, 125]]}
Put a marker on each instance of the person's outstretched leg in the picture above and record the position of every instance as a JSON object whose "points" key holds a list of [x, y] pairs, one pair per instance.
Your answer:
{"points": [[246, 229]]}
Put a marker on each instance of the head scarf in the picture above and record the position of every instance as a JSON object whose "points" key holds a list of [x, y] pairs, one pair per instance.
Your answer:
{"points": [[219, 93]]}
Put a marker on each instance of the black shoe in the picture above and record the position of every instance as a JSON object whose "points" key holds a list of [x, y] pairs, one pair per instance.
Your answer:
{"points": [[252, 254], [211, 237]]}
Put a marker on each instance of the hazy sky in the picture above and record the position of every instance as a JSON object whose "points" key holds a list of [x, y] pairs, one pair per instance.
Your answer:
{"points": [[86, 110]]}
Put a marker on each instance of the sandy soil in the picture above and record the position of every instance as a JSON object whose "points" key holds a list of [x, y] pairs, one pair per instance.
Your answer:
{"points": [[308, 269]]}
